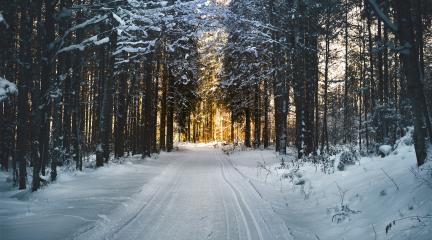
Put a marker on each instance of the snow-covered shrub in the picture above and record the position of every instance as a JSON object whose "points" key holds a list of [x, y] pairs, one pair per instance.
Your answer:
{"points": [[7, 89], [295, 176], [324, 161], [327, 163], [334, 150], [229, 148], [384, 150], [348, 157], [406, 140]]}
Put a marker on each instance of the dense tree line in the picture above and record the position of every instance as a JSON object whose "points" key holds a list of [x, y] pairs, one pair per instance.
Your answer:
{"points": [[112, 78], [340, 72], [93, 76]]}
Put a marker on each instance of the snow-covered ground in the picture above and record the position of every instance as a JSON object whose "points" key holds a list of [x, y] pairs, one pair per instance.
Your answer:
{"points": [[309, 200], [200, 193], [194, 193], [75, 201]]}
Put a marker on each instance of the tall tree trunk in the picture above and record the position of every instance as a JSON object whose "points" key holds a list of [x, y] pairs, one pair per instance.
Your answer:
{"points": [[8, 69], [232, 127], [409, 56], [77, 80], [37, 101], [324, 135], [148, 106], [385, 78], [170, 113], [247, 136], [257, 117], [121, 113], [155, 108], [25, 77], [163, 112], [266, 134], [105, 122]]}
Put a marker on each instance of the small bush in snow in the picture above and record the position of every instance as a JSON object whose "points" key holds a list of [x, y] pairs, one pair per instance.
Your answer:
{"points": [[295, 176], [324, 161], [342, 212], [349, 157], [228, 148], [385, 150], [327, 163], [333, 150]]}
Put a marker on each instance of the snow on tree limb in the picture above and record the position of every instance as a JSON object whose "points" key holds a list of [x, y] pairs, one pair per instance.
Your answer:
{"points": [[118, 19], [7, 89], [60, 42], [382, 16], [91, 21], [3, 21], [92, 41]]}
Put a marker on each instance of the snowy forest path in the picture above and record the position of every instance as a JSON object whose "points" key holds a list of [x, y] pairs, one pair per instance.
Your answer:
{"points": [[198, 196]]}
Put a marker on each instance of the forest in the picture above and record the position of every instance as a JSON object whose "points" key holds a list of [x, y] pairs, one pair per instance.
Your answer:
{"points": [[84, 83]]}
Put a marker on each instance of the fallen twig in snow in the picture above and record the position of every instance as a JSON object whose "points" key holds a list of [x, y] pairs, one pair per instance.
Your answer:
{"points": [[391, 179], [344, 211], [419, 219], [375, 233]]}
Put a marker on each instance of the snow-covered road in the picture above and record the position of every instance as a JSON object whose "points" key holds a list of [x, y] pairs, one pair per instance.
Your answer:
{"points": [[199, 195], [193, 193]]}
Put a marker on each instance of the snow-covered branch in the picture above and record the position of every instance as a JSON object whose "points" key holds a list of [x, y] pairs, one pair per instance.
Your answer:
{"points": [[7, 89], [382, 16]]}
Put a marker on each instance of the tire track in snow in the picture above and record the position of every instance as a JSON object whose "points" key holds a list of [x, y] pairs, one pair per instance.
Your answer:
{"points": [[166, 202], [227, 225], [243, 207], [282, 231], [123, 223]]}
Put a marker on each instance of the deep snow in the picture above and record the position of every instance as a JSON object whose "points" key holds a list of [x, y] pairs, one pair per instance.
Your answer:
{"points": [[200, 193], [194, 193], [309, 199], [75, 201]]}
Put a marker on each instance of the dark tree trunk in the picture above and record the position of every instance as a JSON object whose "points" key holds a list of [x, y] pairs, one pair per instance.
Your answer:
{"points": [[8, 69], [105, 122], [324, 135], [77, 80], [266, 134], [346, 123], [25, 76], [257, 118], [170, 114], [232, 127], [247, 134], [163, 112], [121, 114], [409, 56], [148, 106], [155, 108], [36, 100]]}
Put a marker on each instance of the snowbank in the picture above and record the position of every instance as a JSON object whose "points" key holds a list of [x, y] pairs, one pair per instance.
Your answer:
{"points": [[377, 198], [75, 201], [385, 150]]}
